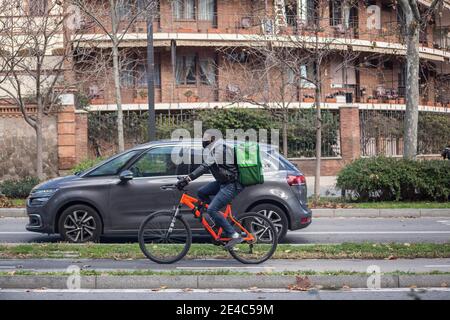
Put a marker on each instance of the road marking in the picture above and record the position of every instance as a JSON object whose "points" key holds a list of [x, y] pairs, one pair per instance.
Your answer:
{"points": [[438, 266], [14, 232], [371, 232], [224, 268], [446, 222]]}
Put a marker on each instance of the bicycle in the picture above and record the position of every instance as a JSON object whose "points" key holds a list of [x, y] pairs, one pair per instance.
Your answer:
{"points": [[165, 236]]}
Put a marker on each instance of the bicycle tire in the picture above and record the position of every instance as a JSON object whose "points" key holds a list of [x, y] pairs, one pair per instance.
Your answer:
{"points": [[274, 244], [142, 243]]}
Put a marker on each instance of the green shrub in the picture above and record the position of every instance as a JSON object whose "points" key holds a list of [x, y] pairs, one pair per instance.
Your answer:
{"points": [[385, 179], [18, 188], [86, 164]]}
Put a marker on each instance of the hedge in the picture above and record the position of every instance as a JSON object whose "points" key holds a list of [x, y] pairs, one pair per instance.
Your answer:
{"points": [[18, 188], [387, 179]]}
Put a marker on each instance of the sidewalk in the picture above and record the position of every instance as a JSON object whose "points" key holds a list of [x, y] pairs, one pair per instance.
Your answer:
{"points": [[418, 265]]}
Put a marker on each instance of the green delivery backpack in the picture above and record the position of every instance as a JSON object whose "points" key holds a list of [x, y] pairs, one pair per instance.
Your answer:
{"points": [[248, 159]]}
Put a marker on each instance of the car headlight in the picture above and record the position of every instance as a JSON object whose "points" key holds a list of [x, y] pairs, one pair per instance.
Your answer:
{"points": [[43, 192], [40, 196]]}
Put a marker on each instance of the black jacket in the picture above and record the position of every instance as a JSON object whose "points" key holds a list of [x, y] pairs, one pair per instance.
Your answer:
{"points": [[220, 162]]}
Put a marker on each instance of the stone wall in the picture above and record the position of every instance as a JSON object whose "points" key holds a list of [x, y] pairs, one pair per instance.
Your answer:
{"points": [[18, 146], [65, 141]]}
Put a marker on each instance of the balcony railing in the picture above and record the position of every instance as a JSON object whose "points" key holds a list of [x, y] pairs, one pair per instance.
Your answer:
{"points": [[246, 24]]}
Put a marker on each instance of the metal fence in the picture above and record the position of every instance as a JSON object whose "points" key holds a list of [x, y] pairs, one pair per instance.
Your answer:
{"points": [[382, 132], [300, 129]]}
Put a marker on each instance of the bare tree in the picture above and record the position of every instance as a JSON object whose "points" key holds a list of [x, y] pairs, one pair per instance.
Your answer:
{"points": [[299, 45], [414, 23], [256, 76], [35, 67], [115, 19]]}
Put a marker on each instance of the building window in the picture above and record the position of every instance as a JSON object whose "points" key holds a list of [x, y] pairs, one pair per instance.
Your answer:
{"points": [[304, 78], [194, 9], [124, 9], [291, 13], [207, 71], [190, 69], [206, 9], [186, 70], [342, 14], [38, 7], [184, 9], [127, 77], [133, 73], [141, 74]]}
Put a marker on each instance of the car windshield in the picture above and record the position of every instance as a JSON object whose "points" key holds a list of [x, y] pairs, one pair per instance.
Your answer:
{"points": [[111, 167]]}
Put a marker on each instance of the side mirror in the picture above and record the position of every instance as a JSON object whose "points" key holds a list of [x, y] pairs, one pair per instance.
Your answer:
{"points": [[126, 176]]}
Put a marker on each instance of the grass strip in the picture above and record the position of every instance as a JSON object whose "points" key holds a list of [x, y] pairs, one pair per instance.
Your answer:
{"points": [[210, 273], [337, 202], [131, 251]]}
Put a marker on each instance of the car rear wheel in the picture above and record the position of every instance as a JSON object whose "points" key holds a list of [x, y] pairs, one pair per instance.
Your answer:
{"points": [[276, 215], [80, 223]]}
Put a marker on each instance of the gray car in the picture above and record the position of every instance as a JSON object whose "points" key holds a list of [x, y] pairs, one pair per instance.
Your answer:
{"points": [[108, 200]]}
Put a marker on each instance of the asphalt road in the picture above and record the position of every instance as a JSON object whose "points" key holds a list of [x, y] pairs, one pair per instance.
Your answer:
{"points": [[228, 295], [322, 230], [273, 265]]}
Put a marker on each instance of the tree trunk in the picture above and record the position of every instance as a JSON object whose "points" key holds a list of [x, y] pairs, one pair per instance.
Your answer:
{"points": [[412, 89], [285, 133], [39, 144], [116, 71], [318, 134]]}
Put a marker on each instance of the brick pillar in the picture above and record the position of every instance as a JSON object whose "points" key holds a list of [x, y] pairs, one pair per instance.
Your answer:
{"points": [[350, 132], [81, 135], [66, 138]]}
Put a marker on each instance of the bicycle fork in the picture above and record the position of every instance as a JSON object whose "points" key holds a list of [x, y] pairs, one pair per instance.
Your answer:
{"points": [[172, 222]]}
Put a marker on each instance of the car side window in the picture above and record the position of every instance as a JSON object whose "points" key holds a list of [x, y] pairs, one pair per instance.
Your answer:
{"points": [[158, 162], [196, 158], [112, 167]]}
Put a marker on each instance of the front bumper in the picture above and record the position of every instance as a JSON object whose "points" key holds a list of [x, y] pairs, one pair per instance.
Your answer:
{"points": [[38, 220]]}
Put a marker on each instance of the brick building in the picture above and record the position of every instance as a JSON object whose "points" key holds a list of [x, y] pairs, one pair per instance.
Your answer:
{"points": [[192, 64], [203, 46]]}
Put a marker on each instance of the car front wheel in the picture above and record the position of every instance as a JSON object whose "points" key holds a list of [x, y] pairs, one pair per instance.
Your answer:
{"points": [[80, 223]]}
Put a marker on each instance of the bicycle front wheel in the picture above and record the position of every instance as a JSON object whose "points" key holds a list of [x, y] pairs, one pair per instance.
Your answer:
{"points": [[164, 238], [265, 239]]}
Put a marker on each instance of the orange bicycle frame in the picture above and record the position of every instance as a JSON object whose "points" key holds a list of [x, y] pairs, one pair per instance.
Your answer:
{"points": [[192, 203]]}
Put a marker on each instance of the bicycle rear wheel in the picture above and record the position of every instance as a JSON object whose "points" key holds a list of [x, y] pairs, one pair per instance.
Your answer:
{"points": [[164, 238], [264, 244]]}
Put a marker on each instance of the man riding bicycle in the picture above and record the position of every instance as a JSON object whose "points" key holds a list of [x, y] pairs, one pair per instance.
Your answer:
{"points": [[220, 162]]}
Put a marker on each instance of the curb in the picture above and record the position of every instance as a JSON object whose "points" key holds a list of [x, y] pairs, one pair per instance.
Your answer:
{"points": [[221, 282], [317, 213], [380, 213], [13, 212]]}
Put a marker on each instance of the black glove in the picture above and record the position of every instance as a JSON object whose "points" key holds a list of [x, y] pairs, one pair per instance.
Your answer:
{"points": [[183, 182]]}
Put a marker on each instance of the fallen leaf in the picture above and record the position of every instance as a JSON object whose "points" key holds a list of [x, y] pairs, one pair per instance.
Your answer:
{"points": [[444, 284], [346, 287], [187, 290], [253, 288], [163, 287], [287, 251], [391, 257], [302, 284]]}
